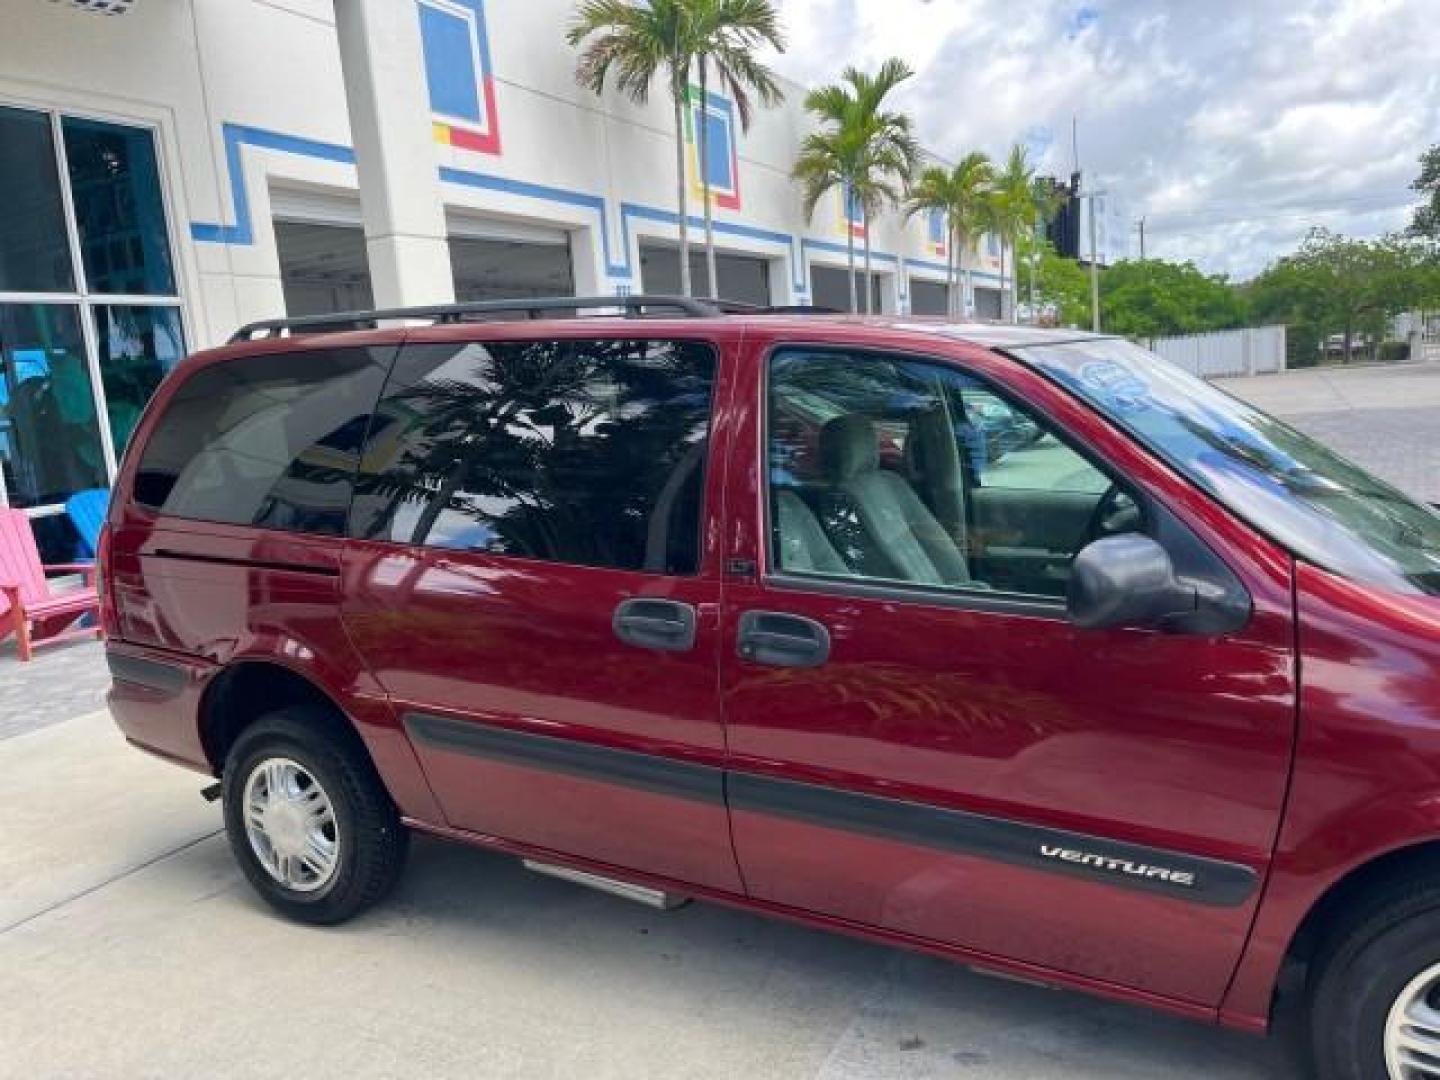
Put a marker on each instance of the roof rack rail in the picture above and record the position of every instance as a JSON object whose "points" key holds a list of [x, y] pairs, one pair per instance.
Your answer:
{"points": [[635, 306]]}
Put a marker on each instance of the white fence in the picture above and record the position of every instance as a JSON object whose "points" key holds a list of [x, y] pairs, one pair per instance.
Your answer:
{"points": [[1257, 350]]}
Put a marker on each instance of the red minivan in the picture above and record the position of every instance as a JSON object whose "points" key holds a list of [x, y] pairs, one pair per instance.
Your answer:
{"points": [[1020, 647]]}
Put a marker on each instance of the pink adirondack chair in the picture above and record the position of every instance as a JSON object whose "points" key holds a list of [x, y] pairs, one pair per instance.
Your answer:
{"points": [[29, 608]]}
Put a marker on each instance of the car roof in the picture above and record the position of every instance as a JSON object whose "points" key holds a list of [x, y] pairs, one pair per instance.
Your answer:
{"points": [[870, 330]]}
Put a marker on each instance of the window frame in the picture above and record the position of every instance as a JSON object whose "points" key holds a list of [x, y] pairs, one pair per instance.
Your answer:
{"points": [[82, 296], [993, 601], [712, 471]]}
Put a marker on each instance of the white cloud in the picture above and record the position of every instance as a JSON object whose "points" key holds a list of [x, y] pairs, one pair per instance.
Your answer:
{"points": [[1233, 125]]}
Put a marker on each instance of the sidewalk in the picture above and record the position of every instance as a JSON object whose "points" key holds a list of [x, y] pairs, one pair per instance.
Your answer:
{"points": [[63, 681]]}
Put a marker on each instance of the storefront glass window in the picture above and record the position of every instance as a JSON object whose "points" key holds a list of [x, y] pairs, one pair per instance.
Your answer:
{"points": [[119, 212], [89, 313], [49, 437], [138, 347], [34, 248]]}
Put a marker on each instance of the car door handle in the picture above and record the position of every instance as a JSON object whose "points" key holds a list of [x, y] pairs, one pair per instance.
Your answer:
{"points": [[667, 625], [782, 640]]}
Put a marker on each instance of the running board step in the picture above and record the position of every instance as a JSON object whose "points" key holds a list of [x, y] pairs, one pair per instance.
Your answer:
{"points": [[627, 890]]}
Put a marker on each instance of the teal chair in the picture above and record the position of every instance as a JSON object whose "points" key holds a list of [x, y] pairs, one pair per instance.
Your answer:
{"points": [[87, 511]]}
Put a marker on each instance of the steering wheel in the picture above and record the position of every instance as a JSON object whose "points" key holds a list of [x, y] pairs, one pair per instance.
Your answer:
{"points": [[1117, 512]]}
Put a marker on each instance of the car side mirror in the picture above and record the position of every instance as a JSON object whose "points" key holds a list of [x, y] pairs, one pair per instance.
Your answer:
{"points": [[1128, 581]]}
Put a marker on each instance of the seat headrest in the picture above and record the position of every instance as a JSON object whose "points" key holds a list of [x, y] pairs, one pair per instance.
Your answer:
{"points": [[848, 447]]}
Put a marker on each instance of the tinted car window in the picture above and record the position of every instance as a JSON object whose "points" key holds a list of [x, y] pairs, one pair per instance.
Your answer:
{"points": [[589, 452], [264, 440], [896, 470]]}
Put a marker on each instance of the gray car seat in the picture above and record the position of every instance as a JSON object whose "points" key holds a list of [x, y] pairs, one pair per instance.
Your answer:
{"points": [[878, 524], [932, 459], [800, 542]]}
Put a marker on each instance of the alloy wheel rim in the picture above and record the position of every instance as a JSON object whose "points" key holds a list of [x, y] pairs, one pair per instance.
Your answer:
{"points": [[290, 823], [1412, 1030]]}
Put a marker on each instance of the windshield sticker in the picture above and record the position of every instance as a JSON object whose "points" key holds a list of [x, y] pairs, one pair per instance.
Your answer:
{"points": [[1116, 385]]}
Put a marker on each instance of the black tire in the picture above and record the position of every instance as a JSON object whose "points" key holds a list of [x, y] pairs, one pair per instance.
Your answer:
{"points": [[1361, 971], [371, 843]]}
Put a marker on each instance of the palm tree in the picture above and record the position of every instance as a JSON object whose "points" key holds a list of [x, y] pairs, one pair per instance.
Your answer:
{"points": [[827, 161], [637, 42], [1013, 210], [866, 152], [962, 195], [883, 182], [726, 33]]}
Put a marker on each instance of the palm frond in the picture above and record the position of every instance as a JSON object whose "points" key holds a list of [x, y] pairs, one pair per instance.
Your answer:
{"points": [[930, 192], [829, 103], [740, 74], [870, 150], [727, 33], [824, 163], [631, 42]]}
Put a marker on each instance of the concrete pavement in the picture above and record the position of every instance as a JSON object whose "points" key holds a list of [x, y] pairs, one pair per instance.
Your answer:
{"points": [[1386, 419], [1302, 391], [79, 810], [131, 947]]}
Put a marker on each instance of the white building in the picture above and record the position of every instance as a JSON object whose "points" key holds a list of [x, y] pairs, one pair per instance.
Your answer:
{"points": [[170, 169]]}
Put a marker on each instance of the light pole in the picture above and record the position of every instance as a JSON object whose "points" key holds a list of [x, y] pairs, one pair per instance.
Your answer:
{"points": [[1094, 264], [1030, 265]]}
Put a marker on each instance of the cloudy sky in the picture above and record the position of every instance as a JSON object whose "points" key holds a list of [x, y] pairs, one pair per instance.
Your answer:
{"points": [[1231, 125]]}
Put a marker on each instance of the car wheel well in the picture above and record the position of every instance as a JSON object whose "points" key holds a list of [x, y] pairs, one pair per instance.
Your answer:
{"points": [[1356, 891], [248, 690]]}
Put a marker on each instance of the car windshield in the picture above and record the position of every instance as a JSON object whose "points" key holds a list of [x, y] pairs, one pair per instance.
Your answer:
{"points": [[1324, 509]]}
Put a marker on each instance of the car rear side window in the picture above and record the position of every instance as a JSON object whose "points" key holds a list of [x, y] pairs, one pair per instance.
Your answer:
{"points": [[582, 452], [269, 440]]}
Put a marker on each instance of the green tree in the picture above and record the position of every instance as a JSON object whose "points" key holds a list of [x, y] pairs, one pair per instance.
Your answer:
{"points": [[1427, 287], [638, 42], [1013, 213], [1061, 289], [1338, 285], [865, 151], [826, 163], [961, 194], [1426, 222], [1155, 298], [726, 35], [1290, 293]]}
